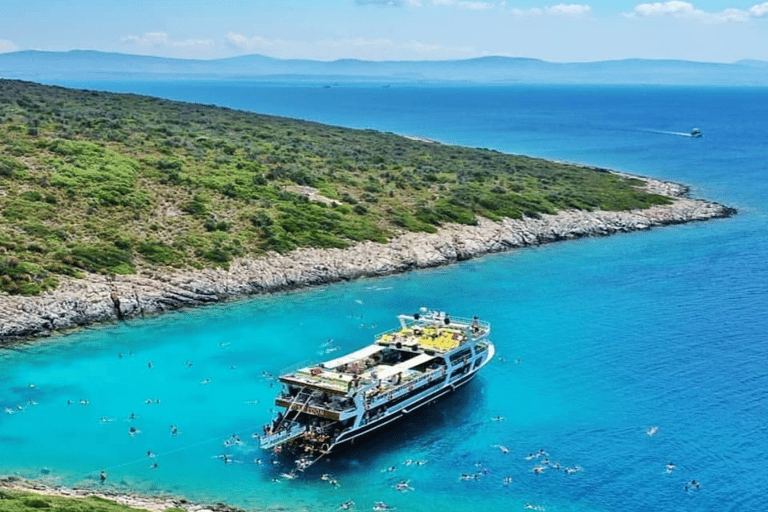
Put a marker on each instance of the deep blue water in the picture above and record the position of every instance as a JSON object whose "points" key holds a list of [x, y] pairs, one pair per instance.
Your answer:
{"points": [[598, 339]]}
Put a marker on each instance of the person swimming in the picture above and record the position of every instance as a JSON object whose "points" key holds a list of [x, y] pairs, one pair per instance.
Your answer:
{"points": [[133, 431], [403, 486], [103, 476], [347, 505], [670, 467]]}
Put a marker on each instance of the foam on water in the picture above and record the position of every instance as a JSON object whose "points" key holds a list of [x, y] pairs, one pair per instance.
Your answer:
{"points": [[599, 341]]}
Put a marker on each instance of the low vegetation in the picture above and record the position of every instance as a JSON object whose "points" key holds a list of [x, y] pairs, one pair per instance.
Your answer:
{"points": [[118, 183], [16, 501]]}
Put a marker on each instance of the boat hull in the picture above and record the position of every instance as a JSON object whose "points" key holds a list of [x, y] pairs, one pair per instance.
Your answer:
{"points": [[351, 435]]}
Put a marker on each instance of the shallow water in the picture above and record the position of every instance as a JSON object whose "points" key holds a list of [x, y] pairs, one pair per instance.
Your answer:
{"points": [[598, 339]]}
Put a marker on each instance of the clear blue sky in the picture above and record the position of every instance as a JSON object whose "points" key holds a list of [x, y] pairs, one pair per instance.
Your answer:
{"points": [[704, 30]]}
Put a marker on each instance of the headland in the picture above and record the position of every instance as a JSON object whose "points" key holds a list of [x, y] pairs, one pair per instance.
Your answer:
{"points": [[98, 298]]}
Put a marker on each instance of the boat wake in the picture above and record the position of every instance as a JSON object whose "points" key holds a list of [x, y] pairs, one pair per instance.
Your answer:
{"points": [[667, 132]]}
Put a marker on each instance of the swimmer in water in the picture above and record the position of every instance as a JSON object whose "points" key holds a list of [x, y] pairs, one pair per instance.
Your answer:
{"points": [[133, 431], [174, 430], [693, 484], [103, 476], [652, 431], [205, 381], [347, 505], [501, 447], [403, 486], [150, 365], [670, 467], [507, 480]]}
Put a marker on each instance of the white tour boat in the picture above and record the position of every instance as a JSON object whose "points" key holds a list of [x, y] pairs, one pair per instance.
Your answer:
{"points": [[335, 402]]}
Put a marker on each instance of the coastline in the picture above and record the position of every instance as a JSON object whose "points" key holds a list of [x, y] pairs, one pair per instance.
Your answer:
{"points": [[132, 500], [101, 298]]}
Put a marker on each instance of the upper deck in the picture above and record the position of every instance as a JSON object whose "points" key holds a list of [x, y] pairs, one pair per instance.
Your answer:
{"points": [[434, 332], [396, 356]]}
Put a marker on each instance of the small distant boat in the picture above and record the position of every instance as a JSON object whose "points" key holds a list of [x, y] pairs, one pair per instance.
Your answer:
{"points": [[696, 133]]}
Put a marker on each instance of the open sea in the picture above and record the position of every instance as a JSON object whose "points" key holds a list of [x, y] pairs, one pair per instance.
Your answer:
{"points": [[616, 356]]}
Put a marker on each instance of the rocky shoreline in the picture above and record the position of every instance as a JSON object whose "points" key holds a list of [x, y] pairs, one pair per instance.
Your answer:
{"points": [[137, 501], [101, 298]]}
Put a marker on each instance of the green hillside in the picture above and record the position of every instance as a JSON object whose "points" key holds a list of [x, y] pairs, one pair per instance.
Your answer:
{"points": [[16, 501], [120, 183]]}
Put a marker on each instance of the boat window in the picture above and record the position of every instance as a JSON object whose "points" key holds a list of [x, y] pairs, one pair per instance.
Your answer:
{"points": [[460, 354]]}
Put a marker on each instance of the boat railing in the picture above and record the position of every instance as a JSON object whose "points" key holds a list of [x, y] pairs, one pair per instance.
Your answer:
{"points": [[409, 385], [295, 367], [291, 430], [477, 328]]}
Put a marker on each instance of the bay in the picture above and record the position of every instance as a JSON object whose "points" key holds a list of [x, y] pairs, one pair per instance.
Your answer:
{"points": [[599, 340]]}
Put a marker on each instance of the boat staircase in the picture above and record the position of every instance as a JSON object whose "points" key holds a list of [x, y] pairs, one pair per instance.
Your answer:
{"points": [[287, 429]]}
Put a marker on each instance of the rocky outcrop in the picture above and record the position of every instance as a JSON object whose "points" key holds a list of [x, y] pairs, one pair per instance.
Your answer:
{"points": [[136, 501], [99, 298]]}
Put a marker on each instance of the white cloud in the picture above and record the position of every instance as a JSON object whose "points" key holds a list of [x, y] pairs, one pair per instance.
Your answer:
{"points": [[163, 40], [759, 10], [568, 10], [686, 10], [355, 47], [473, 5], [251, 43], [7, 46]]}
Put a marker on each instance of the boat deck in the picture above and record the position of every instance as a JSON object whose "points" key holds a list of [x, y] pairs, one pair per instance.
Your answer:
{"points": [[442, 339]]}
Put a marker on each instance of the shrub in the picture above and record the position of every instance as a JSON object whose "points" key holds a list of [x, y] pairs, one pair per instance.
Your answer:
{"points": [[10, 167], [157, 252]]}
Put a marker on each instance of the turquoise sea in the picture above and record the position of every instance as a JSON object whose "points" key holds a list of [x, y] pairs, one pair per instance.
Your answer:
{"points": [[616, 356]]}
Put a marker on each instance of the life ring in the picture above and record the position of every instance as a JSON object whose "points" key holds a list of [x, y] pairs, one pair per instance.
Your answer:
{"points": [[325, 447]]}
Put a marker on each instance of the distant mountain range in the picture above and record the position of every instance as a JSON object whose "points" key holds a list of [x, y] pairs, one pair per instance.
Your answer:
{"points": [[94, 65]]}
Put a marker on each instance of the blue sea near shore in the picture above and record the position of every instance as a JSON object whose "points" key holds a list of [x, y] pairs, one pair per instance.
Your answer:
{"points": [[601, 342]]}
